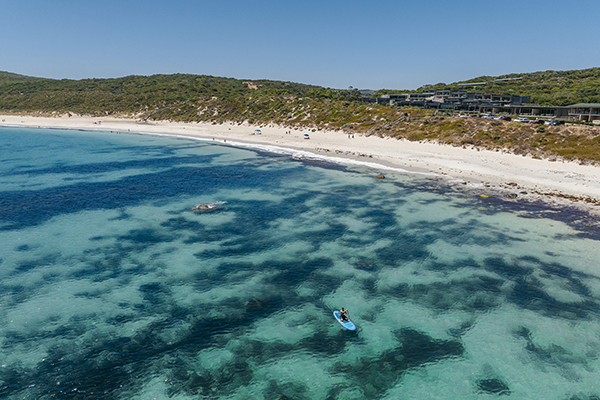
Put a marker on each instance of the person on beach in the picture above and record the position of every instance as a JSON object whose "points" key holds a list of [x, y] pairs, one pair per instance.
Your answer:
{"points": [[344, 314]]}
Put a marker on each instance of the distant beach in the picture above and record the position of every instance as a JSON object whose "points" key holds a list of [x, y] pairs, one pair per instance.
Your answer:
{"points": [[525, 177]]}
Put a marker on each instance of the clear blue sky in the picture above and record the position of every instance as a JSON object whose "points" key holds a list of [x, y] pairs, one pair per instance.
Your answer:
{"points": [[365, 44]]}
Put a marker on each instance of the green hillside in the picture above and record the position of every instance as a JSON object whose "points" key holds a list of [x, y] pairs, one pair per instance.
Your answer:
{"points": [[552, 88], [202, 98], [182, 97], [132, 94], [9, 77], [547, 88]]}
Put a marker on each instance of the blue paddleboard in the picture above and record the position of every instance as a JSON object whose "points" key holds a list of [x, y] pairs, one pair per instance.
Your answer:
{"points": [[346, 324]]}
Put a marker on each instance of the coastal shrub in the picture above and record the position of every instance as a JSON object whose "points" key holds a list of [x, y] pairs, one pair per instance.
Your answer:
{"points": [[224, 100], [560, 88]]}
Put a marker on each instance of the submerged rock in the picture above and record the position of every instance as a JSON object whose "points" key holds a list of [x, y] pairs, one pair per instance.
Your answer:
{"points": [[205, 207], [493, 386]]}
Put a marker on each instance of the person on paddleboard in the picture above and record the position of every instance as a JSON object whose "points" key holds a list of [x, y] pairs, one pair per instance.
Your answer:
{"points": [[344, 314]]}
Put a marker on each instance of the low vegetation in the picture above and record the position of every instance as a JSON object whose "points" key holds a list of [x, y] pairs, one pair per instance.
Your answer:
{"points": [[563, 142], [547, 88], [202, 98]]}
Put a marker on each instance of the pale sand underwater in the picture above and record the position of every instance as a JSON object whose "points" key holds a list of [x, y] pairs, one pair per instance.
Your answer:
{"points": [[111, 287], [556, 181]]}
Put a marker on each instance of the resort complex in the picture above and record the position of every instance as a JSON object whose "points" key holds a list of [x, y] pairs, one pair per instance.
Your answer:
{"points": [[475, 103], [492, 103], [589, 112]]}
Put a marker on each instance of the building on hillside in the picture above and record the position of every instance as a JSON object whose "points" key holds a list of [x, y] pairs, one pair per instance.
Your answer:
{"points": [[454, 100], [475, 103], [537, 111], [585, 112]]}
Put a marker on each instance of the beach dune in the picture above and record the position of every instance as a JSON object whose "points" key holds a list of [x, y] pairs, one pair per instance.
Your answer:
{"points": [[556, 181]]}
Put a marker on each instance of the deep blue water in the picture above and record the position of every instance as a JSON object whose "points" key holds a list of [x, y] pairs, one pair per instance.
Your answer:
{"points": [[112, 288]]}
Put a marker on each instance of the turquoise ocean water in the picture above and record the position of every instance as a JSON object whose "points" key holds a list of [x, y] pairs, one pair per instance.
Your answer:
{"points": [[111, 288]]}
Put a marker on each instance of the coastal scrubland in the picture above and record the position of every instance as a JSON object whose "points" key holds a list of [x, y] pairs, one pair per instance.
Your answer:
{"points": [[551, 88], [202, 98], [567, 142]]}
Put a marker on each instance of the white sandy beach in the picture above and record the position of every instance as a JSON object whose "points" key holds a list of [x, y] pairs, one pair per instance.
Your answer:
{"points": [[495, 168]]}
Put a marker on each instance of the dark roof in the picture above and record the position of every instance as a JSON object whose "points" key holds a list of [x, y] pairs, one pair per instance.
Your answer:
{"points": [[580, 105]]}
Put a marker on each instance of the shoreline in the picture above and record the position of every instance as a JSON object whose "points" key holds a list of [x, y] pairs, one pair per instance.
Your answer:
{"points": [[556, 182]]}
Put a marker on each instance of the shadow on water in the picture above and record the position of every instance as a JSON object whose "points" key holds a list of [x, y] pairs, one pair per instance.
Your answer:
{"points": [[529, 293], [106, 367], [112, 365], [550, 355], [479, 292], [493, 386], [170, 160], [98, 369], [378, 374], [19, 209]]}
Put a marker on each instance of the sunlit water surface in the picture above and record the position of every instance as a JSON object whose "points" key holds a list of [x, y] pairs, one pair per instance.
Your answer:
{"points": [[112, 288]]}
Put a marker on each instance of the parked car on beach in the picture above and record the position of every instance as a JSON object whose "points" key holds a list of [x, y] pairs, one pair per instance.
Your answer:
{"points": [[554, 123], [537, 121], [521, 119]]}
